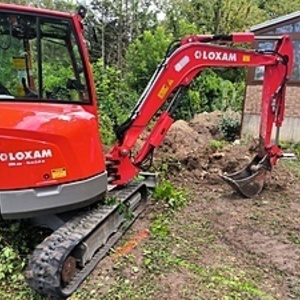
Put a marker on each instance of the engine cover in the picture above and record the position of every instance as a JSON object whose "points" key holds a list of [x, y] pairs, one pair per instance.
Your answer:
{"points": [[47, 144]]}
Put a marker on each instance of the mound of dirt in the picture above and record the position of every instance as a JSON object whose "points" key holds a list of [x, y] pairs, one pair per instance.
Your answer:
{"points": [[188, 153], [182, 140]]}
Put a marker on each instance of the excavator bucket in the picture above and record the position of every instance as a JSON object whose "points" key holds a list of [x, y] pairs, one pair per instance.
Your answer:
{"points": [[250, 181]]}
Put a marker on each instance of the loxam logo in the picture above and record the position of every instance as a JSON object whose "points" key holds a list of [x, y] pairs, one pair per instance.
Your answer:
{"points": [[214, 55], [25, 155]]}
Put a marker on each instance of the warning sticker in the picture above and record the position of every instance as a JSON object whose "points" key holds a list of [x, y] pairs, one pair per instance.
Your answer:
{"points": [[246, 58], [164, 89], [58, 173]]}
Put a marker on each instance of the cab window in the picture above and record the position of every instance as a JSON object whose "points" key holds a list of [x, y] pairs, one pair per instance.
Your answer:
{"points": [[40, 60]]}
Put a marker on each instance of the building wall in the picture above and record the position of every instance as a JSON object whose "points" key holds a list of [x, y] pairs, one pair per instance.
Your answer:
{"points": [[290, 131]]}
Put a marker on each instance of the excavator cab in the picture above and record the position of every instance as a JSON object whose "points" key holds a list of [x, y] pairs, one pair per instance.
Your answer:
{"points": [[40, 59]]}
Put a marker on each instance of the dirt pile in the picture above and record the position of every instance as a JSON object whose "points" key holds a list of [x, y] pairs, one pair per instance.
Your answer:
{"points": [[182, 141], [195, 147], [194, 151]]}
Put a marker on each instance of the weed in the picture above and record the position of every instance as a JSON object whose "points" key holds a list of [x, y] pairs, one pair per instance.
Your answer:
{"points": [[217, 145], [122, 208], [160, 227], [166, 192], [110, 201], [167, 165], [294, 238]]}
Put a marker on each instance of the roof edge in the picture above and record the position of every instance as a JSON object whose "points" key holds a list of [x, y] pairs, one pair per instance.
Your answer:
{"points": [[275, 21]]}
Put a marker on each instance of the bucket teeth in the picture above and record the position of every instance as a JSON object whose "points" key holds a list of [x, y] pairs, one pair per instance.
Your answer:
{"points": [[251, 180]]}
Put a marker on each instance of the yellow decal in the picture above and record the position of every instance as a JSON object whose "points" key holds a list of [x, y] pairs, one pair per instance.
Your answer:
{"points": [[162, 92], [170, 82], [58, 173], [164, 89], [246, 58], [19, 63]]}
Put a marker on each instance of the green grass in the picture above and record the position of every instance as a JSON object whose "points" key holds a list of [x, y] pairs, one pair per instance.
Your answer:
{"points": [[292, 165]]}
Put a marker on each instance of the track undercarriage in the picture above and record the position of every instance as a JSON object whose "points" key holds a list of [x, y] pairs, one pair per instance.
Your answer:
{"points": [[65, 258]]}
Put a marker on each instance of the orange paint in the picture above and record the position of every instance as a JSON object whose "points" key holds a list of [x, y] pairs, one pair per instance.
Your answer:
{"points": [[131, 244]]}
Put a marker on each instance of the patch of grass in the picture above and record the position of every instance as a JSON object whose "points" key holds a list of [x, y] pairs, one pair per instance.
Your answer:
{"points": [[227, 277], [294, 147], [226, 281], [123, 289], [293, 165]]}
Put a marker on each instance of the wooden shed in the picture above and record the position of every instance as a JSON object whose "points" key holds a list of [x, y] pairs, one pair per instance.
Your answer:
{"points": [[289, 24]]}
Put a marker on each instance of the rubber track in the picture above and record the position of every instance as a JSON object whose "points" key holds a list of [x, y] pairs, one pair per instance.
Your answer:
{"points": [[45, 264]]}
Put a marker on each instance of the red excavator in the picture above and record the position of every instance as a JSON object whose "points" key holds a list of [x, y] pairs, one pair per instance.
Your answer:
{"points": [[54, 168]]}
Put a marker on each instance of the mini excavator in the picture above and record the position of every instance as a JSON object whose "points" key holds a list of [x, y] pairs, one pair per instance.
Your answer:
{"points": [[56, 171]]}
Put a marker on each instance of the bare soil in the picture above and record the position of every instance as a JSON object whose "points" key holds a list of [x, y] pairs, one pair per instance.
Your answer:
{"points": [[220, 246]]}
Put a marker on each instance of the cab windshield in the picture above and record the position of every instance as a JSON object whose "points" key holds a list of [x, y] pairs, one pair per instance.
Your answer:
{"points": [[40, 60]]}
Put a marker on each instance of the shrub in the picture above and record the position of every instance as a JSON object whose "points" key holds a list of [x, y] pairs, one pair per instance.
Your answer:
{"points": [[229, 126], [17, 240]]}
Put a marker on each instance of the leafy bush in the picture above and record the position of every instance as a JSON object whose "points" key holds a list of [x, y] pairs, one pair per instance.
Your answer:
{"points": [[229, 126], [295, 147], [210, 92], [16, 243], [174, 198]]}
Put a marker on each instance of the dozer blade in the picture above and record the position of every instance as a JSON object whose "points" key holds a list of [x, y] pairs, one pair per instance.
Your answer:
{"points": [[250, 181]]}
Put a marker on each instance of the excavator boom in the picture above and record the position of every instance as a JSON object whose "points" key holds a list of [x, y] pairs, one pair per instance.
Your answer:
{"points": [[183, 63]]}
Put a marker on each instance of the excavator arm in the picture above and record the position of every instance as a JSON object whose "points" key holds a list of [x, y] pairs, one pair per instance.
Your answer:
{"points": [[183, 62]]}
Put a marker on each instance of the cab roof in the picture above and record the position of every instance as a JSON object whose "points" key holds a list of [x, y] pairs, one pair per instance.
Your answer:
{"points": [[34, 10]]}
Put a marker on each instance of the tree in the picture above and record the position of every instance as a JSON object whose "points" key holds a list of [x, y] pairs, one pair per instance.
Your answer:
{"points": [[119, 23], [215, 16], [274, 9]]}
